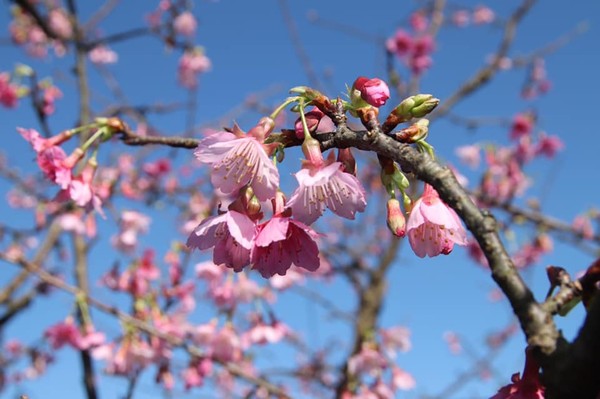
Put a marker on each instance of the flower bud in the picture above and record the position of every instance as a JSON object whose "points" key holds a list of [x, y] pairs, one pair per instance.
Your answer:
{"points": [[313, 117], [412, 134], [396, 221], [374, 91], [416, 106]]}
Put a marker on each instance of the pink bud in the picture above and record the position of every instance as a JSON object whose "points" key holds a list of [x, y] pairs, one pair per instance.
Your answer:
{"points": [[374, 91], [395, 218], [313, 117]]}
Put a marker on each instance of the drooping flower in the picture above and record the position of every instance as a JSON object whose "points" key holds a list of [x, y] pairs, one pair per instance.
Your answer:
{"points": [[281, 242], [191, 64], [526, 387], [232, 235], [433, 227], [238, 159], [521, 126], [51, 158], [324, 183]]}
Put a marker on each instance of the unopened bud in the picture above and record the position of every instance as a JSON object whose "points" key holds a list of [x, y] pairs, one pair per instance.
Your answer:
{"points": [[416, 106], [396, 221], [412, 134], [313, 118]]}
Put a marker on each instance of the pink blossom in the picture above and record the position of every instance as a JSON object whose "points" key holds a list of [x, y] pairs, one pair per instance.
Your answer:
{"points": [[281, 242], [374, 91], [402, 380], [418, 21], [50, 94], [548, 145], [582, 225], [526, 387], [52, 159], [400, 44], [225, 346], [81, 191], [232, 235], [8, 91], [60, 24], [461, 18], [238, 160], [469, 155], [191, 64], [367, 361], [395, 339], [419, 64], [433, 227], [103, 55], [185, 24], [63, 333], [483, 15], [262, 333], [131, 224], [326, 186], [193, 375], [521, 126]]}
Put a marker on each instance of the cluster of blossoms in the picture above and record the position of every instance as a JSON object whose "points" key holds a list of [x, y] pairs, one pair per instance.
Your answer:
{"points": [[25, 31], [480, 15], [415, 48], [243, 167], [59, 168], [374, 366]]}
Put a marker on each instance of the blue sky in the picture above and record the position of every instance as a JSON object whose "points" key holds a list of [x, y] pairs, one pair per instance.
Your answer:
{"points": [[250, 49]]}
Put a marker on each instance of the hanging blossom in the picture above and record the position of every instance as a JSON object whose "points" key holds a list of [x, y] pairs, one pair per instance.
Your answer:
{"points": [[433, 227], [324, 183], [526, 387], [238, 159], [52, 159], [283, 241]]}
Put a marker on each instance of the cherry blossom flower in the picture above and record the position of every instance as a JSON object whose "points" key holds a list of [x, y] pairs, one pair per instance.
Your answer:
{"points": [[232, 235], [238, 159], [367, 361], [185, 24], [521, 126], [328, 186], [461, 18], [63, 333], [102, 55], [548, 145], [52, 159], [433, 227], [81, 191], [483, 15], [469, 155], [526, 387], [402, 380], [400, 44], [8, 91], [395, 339], [131, 224], [60, 24], [191, 64], [281, 242]]}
